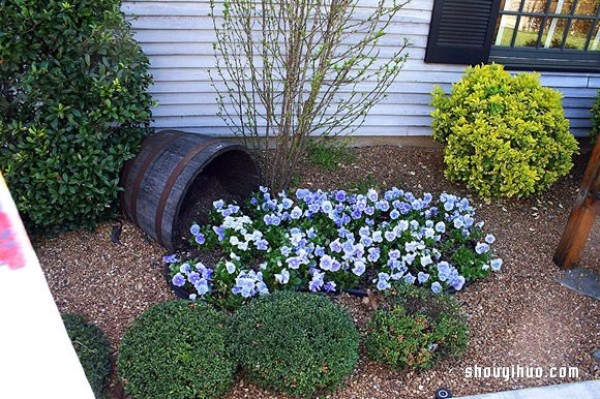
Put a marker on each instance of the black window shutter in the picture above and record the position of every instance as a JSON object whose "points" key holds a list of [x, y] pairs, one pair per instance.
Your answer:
{"points": [[461, 31]]}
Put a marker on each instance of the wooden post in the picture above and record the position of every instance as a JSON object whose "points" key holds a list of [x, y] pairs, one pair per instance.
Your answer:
{"points": [[583, 215]]}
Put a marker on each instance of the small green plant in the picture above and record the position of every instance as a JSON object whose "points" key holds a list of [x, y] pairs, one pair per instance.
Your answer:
{"points": [[296, 343], [74, 107], [330, 156], [595, 119], [92, 348], [417, 328], [556, 43], [505, 135], [176, 349], [363, 184]]}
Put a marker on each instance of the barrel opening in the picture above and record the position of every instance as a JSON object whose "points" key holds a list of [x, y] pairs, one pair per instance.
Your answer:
{"points": [[231, 176]]}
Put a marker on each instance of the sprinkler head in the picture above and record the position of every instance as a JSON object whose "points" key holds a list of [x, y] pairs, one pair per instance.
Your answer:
{"points": [[443, 393]]}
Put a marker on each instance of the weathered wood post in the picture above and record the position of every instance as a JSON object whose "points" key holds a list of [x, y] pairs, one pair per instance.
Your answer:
{"points": [[583, 215]]}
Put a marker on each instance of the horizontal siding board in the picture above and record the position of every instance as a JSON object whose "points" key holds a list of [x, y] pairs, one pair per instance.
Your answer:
{"points": [[202, 9], [177, 74], [585, 103], [209, 98], [365, 131], [203, 88], [177, 36], [203, 22], [213, 120], [379, 110], [197, 61], [207, 37], [153, 49]]}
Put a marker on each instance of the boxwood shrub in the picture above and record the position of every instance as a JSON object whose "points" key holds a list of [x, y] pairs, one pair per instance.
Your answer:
{"points": [[176, 350], [297, 343], [415, 329], [504, 135], [74, 107], [92, 348]]}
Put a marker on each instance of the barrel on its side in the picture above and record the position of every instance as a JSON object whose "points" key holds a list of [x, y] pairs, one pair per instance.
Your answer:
{"points": [[175, 171]]}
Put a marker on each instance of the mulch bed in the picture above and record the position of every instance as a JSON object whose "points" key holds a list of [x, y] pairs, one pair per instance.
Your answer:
{"points": [[519, 316]]}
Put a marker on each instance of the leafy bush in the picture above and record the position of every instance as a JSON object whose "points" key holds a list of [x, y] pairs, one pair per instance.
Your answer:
{"points": [[416, 330], [595, 119], [331, 241], [93, 350], [505, 135], [73, 107], [296, 343], [176, 349]]}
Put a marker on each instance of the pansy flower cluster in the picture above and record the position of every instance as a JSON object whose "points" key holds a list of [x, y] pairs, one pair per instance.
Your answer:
{"points": [[331, 241]]}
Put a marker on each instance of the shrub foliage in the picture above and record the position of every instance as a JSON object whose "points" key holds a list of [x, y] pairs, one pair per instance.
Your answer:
{"points": [[595, 119], [296, 343], [505, 135], [176, 350], [73, 107], [92, 348], [417, 328]]}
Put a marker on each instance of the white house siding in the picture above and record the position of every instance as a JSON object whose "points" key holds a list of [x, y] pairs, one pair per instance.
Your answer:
{"points": [[177, 37]]}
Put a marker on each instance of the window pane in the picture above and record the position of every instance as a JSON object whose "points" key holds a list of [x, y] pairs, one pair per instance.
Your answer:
{"points": [[561, 6], [538, 6], [510, 5], [504, 30], [595, 42], [529, 28], [578, 33], [587, 7], [554, 32]]}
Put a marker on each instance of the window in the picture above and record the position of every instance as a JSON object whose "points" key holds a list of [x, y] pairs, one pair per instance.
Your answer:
{"points": [[549, 34], [524, 34]]}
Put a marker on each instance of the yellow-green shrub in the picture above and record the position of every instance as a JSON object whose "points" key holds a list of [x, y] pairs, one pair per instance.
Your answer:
{"points": [[505, 136]]}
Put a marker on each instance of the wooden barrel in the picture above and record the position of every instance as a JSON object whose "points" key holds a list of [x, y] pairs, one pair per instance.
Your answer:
{"points": [[176, 176]]}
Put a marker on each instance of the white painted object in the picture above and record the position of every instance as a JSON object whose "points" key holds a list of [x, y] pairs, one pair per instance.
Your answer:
{"points": [[37, 359], [552, 28]]}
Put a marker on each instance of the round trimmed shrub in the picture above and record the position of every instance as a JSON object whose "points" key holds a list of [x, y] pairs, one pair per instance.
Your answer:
{"points": [[176, 349], [595, 119], [417, 328], [74, 107], [296, 343], [92, 348], [505, 135]]}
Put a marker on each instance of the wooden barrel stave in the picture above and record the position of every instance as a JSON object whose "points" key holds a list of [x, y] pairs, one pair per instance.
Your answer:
{"points": [[157, 182]]}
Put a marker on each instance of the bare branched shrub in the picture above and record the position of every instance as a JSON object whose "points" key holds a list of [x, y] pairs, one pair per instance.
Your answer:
{"points": [[290, 70]]}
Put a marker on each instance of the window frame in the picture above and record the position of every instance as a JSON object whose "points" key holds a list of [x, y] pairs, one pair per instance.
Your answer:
{"points": [[547, 59]]}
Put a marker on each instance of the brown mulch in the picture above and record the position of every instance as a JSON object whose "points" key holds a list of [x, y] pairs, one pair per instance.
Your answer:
{"points": [[519, 316]]}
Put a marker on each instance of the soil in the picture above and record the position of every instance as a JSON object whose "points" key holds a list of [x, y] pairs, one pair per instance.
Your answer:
{"points": [[199, 201], [518, 317]]}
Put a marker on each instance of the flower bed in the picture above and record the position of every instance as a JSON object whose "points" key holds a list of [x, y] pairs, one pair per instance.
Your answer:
{"points": [[332, 241]]}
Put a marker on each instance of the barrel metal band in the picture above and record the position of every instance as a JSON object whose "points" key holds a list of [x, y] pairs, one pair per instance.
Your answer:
{"points": [[164, 197], [137, 184]]}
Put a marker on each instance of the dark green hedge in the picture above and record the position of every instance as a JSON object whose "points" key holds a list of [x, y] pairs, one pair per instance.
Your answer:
{"points": [[296, 343], [176, 349], [92, 348], [74, 107]]}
